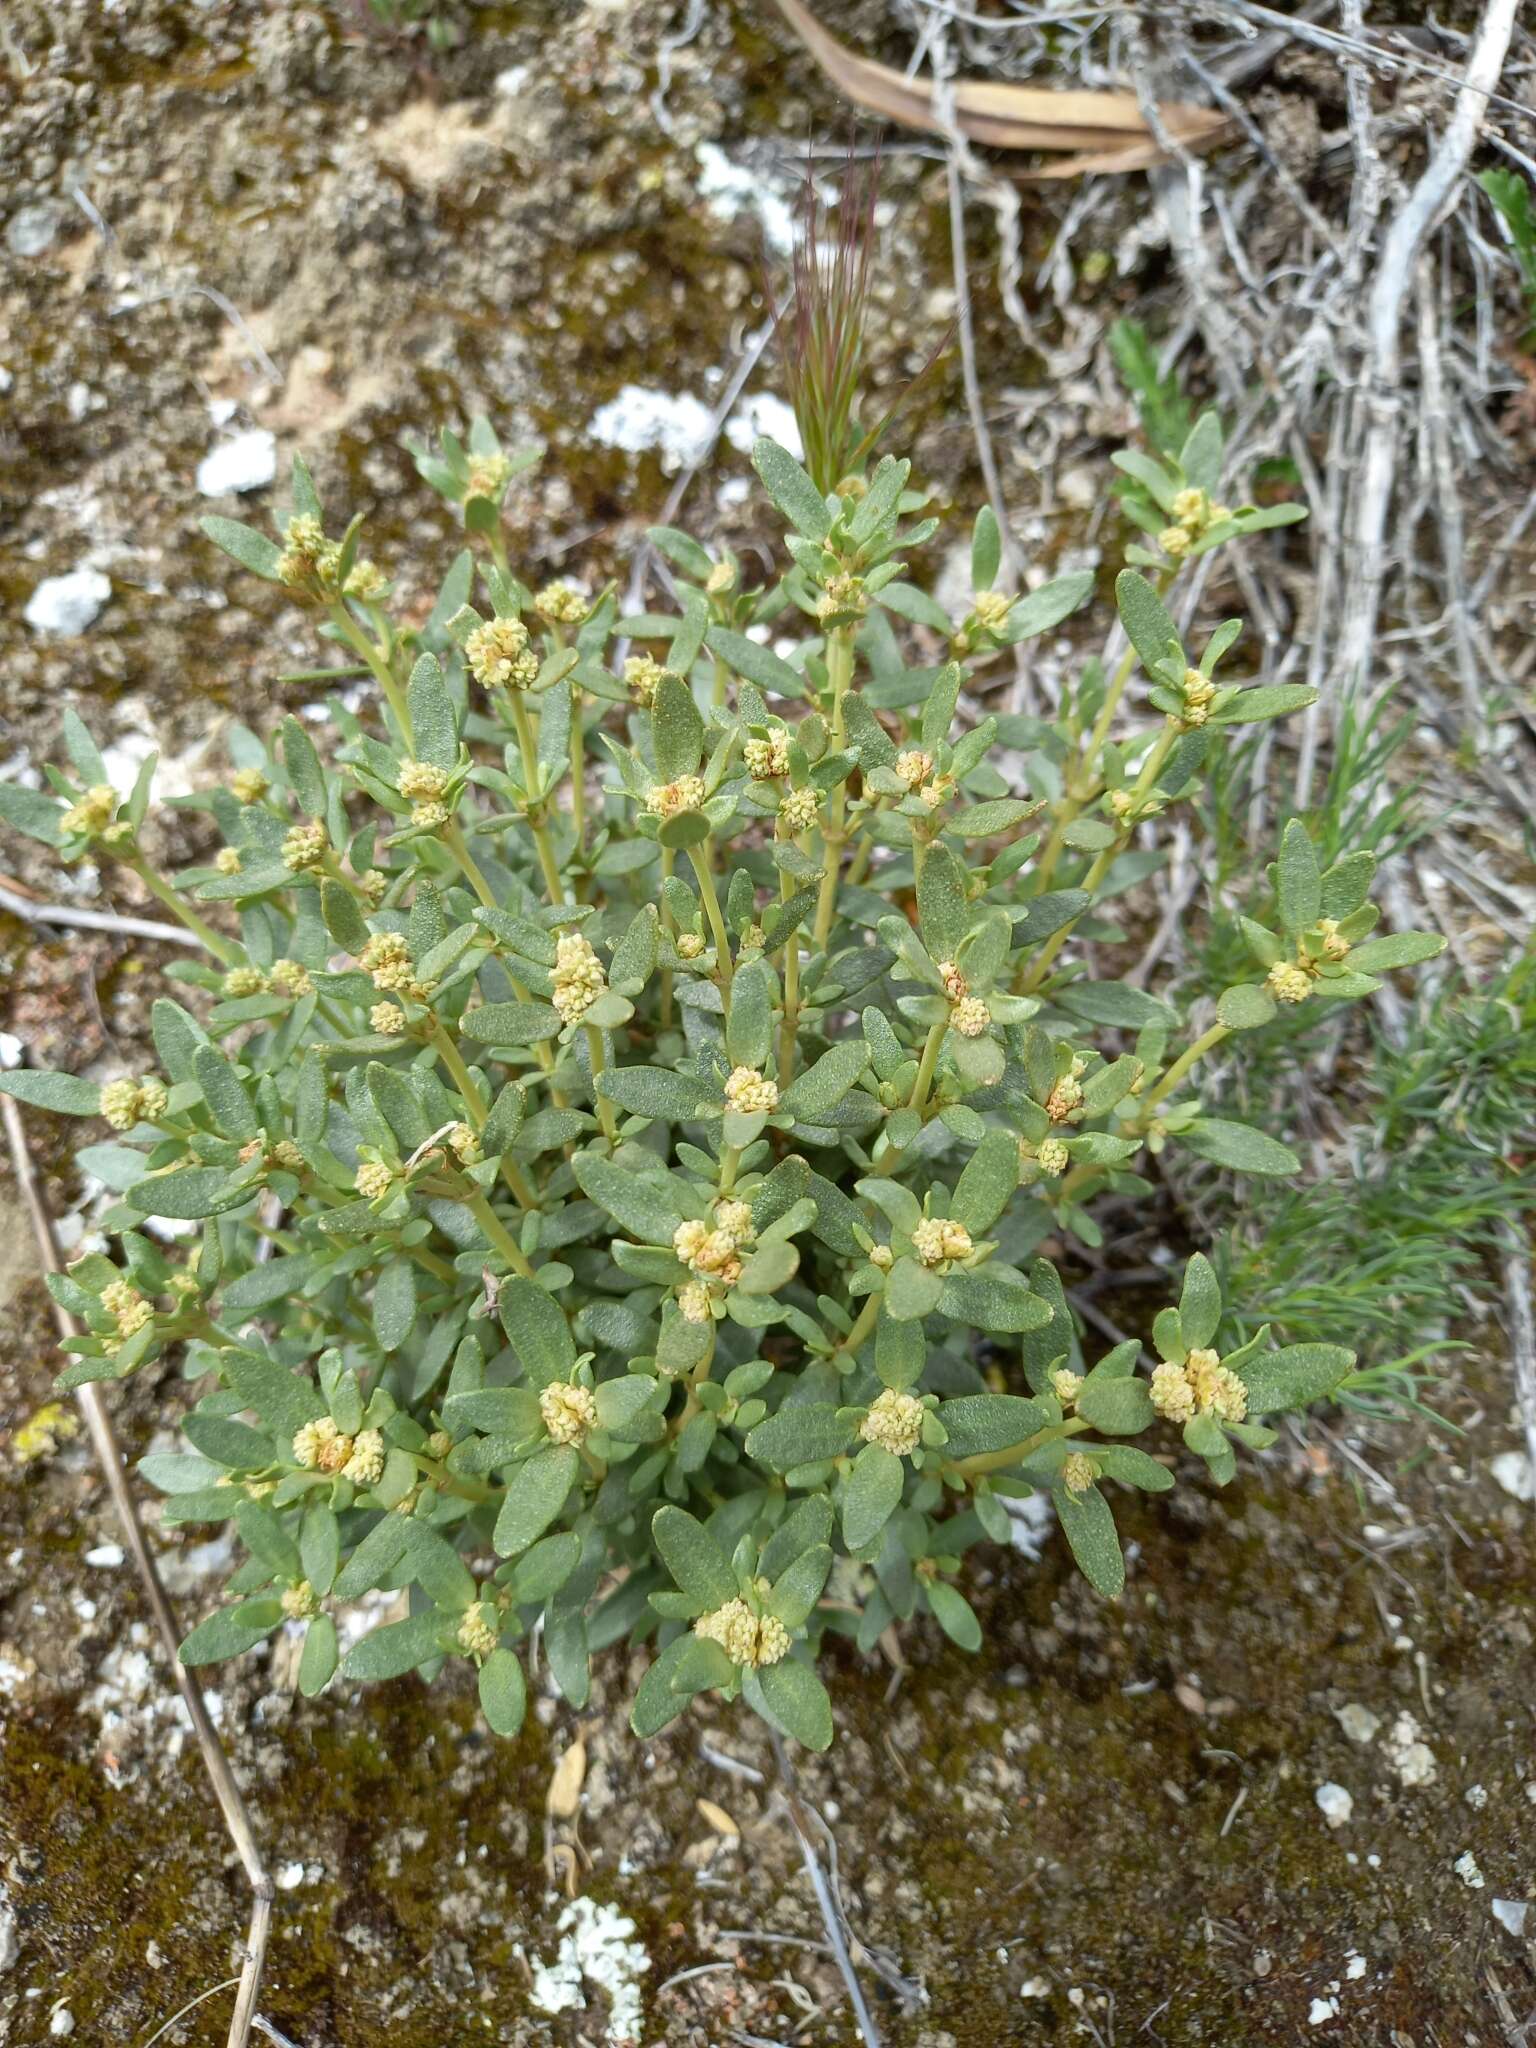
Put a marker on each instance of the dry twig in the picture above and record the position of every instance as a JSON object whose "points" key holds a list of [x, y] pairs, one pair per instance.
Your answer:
{"points": [[110, 1458]]}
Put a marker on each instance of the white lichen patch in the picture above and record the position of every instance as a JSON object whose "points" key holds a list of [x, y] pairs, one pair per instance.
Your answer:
{"points": [[595, 1948], [1466, 1869], [1409, 1755], [677, 426]]}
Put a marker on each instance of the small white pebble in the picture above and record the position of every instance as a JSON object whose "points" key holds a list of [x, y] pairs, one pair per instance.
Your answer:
{"points": [[67, 604], [1335, 1804], [1356, 1967], [62, 2022], [106, 1556], [1035, 1987], [1466, 1869], [246, 462], [1512, 1470], [1476, 1797], [1358, 1722], [288, 1876], [1323, 2009], [1510, 1914]]}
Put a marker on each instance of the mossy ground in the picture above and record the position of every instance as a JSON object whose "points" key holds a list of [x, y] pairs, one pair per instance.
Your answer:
{"points": [[1049, 1838]]}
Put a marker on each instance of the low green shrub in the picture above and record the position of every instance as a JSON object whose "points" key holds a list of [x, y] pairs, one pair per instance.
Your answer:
{"points": [[602, 1188]]}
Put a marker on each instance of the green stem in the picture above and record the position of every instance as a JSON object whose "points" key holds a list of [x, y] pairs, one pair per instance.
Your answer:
{"points": [[453, 839], [669, 926], [716, 924], [380, 669], [463, 1079], [499, 1235], [865, 1322], [839, 677], [927, 1065], [790, 1027], [605, 1114], [1181, 1066], [1041, 964], [221, 948], [997, 1461], [718, 694], [528, 746]]}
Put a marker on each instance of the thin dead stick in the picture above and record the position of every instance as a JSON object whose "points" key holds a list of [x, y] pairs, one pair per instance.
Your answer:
{"points": [[831, 1919], [1522, 1333], [1400, 251], [67, 914], [110, 1458]]}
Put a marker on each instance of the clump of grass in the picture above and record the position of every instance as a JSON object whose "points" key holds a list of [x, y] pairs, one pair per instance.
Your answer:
{"points": [[1395, 1244]]}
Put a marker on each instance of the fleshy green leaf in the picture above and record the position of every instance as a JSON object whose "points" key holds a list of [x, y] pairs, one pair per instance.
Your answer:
{"points": [[871, 1495]]}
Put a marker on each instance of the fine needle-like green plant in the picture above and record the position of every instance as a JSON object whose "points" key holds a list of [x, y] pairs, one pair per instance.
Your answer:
{"points": [[614, 1105]]}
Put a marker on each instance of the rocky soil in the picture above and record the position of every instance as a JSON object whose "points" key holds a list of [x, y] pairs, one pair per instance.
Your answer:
{"points": [[1284, 1790]]}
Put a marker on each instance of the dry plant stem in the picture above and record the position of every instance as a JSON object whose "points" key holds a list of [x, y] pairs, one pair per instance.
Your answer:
{"points": [[826, 1905], [1400, 252], [66, 915], [1521, 1327], [110, 1458]]}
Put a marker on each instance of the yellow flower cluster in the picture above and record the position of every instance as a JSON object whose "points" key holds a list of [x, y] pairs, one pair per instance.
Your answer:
{"points": [[842, 595], [1288, 983], [305, 847], [500, 657], [300, 1601], [578, 979], [226, 861], [387, 958], [124, 1102], [561, 603], [374, 1180], [126, 1306], [289, 978], [642, 678], [480, 1630], [312, 564], [421, 781], [1077, 1472], [324, 1447], [1202, 1385], [1198, 692], [991, 608], [1195, 514], [749, 1093], [668, 798], [93, 812], [488, 476], [248, 785], [914, 767], [766, 758], [1064, 1104], [747, 1639], [798, 810], [970, 1017], [895, 1422], [938, 1239], [568, 1411]]}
